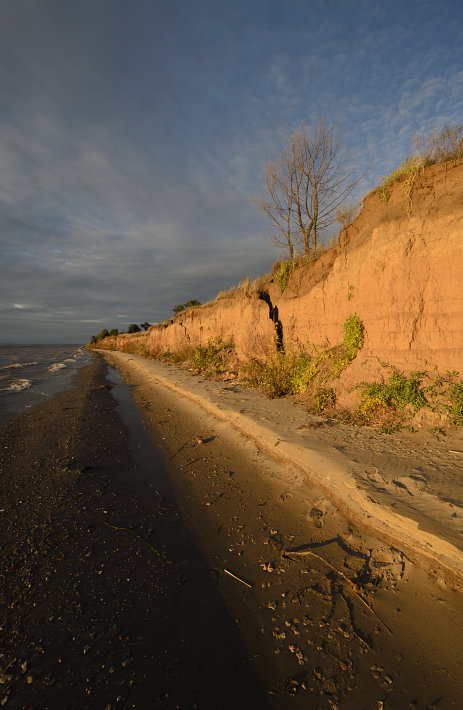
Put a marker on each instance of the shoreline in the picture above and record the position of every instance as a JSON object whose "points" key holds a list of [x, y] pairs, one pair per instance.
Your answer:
{"points": [[274, 599], [419, 513], [338, 610], [101, 574]]}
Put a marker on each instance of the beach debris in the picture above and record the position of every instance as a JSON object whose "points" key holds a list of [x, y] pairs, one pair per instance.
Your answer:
{"points": [[268, 566], [455, 451], [238, 579], [343, 576], [179, 449], [291, 686], [210, 502], [161, 555]]}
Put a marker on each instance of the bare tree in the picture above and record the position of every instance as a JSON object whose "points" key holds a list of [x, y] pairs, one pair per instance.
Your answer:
{"points": [[303, 190]]}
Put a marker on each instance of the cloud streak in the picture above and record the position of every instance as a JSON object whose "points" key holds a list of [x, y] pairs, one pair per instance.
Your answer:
{"points": [[132, 135]]}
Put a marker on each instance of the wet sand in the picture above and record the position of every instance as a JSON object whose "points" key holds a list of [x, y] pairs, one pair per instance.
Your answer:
{"points": [[222, 580], [106, 602], [331, 614]]}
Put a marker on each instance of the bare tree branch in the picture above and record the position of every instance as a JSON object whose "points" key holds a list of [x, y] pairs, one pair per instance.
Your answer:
{"points": [[303, 191]]}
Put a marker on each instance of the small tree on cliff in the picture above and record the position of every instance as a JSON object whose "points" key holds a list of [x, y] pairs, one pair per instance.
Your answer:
{"points": [[303, 189], [134, 328]]}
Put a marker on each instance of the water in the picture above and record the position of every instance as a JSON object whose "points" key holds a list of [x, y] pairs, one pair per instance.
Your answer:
{"points": [[30, 374]]}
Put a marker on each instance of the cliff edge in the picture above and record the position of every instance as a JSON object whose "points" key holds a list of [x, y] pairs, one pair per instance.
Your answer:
{"points": [[398, 267]]}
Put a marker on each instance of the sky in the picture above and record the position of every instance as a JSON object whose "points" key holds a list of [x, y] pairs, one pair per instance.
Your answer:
{"points": [[133, 134]]}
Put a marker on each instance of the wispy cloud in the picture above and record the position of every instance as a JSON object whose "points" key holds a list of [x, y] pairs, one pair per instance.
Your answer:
{"points": [[131, 138]]}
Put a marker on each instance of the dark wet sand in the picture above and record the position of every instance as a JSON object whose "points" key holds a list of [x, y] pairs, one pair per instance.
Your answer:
{"points": [[334, 616], [105, 600]]}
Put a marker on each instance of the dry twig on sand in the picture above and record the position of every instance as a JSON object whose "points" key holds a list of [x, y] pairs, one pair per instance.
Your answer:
{"points": [[247, 584], [161, 555]]}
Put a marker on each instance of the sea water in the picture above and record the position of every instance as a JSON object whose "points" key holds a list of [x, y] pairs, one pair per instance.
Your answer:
{"points": [[30, 374]]}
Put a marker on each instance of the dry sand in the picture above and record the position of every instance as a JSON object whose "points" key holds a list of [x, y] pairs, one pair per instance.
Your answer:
{"points": [[330, 534]]}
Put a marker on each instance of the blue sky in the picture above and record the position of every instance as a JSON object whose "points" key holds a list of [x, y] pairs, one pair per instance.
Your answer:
{"points": [[132, 135]]}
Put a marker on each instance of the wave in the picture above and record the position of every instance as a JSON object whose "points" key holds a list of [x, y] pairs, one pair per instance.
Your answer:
{"points": [[18, 364], [56, 366], [18, 385]]}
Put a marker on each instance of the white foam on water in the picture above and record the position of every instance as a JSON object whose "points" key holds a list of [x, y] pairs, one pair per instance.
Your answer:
{"points": [[18, 385], [57, 366], [18, 364]]}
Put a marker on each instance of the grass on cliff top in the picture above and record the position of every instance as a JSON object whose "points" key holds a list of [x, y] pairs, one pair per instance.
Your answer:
{"points": [[436, 148]]}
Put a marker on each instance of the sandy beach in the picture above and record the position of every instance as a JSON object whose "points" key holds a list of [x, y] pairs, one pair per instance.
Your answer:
{"points": [[106, 602], [345, 544], [242, 569]]}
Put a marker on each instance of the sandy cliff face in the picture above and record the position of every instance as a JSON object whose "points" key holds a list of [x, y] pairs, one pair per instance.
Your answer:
{"points": [[242, 319], [399, 267]]}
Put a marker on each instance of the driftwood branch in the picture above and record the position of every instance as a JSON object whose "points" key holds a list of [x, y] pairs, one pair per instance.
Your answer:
{"points": [[161, 555], [246, 584], [343, 576]]}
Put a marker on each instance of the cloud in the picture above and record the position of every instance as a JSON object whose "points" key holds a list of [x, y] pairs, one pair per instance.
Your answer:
{"points": [[132, 135]]}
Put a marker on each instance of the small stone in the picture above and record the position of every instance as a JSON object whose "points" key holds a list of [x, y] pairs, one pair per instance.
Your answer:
{"points": [[29, 679]]}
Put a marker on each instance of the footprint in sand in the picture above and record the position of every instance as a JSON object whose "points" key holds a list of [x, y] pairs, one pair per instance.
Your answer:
{"points": [[316, 514]]}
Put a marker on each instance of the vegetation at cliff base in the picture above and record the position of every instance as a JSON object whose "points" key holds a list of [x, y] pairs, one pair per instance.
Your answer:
{"points": [[395, 403], [398, 392], [285, 372], [211, 358], [455, 406]]}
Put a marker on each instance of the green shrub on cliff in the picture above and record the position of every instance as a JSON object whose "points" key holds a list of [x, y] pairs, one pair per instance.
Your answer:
{"points": [[211, 358], [392, 402], [455, 407], [285, 372], [134, 328], [183, 306], [282, 275], [280, 374]]}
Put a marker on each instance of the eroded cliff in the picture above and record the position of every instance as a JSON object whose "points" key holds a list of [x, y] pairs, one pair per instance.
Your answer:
{"points": [[398, 266]]}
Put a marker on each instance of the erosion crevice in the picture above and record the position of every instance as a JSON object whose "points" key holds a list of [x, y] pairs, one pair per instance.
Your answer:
{"points": [[274, 317]]}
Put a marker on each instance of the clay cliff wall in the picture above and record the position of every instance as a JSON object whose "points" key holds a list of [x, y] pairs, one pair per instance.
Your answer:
{"points": [[398, 266]]}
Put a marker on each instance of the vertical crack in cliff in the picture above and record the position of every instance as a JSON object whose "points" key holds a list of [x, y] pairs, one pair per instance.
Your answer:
{"points": [[421, 303], [273, 315], [416, 320]]}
